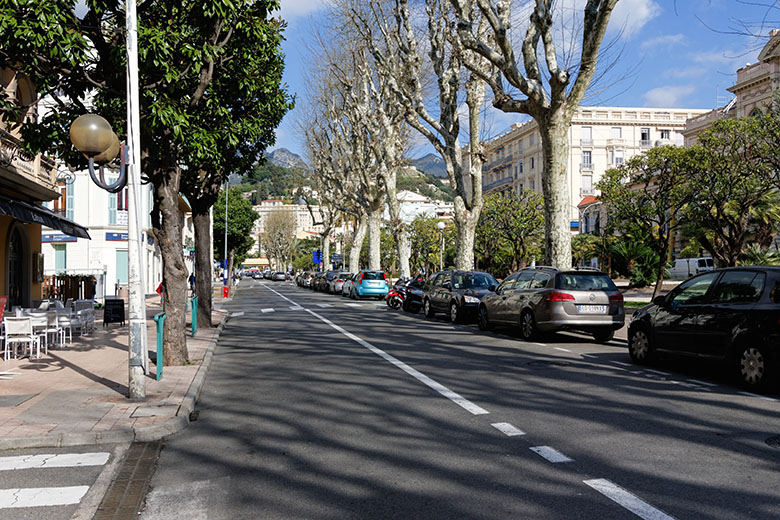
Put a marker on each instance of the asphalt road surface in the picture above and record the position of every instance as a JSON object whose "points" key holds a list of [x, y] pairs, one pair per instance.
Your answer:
{"points": [[320, 407]]}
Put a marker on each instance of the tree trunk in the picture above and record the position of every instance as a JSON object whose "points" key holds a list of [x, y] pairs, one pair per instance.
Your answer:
{"points": [[202, 268], [374, 221], [326, 250], [174, 270], [357, 243], [555, 146], [402, 248], [659, 279]]}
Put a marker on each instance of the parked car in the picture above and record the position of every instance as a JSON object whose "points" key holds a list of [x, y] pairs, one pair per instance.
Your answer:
{"points": [[268, 275], [337, 282], [257, 275], [684, 268], [456, 293], [346, 287], [415, 292], [731, 315], [545, 299], [279, 276], [369, 283], [316, 281], [329, 277]]}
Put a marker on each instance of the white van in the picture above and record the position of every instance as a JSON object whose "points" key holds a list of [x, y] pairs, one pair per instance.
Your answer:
{"points": [[684, 268]]}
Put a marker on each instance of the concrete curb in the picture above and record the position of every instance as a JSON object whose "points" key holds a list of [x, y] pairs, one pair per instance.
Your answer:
{"points": [[143, 434]]}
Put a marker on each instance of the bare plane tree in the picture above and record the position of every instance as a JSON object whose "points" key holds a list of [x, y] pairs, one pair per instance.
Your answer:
{"points": [[551, 104], [279, 237], [400, 57]]}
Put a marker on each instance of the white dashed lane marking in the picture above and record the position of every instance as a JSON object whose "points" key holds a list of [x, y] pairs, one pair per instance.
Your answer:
{"points": [[551, 454], [562, 349], [705, 383], [631, 502], [621, 363], [65, 460], [765, 398], [507, 429]]}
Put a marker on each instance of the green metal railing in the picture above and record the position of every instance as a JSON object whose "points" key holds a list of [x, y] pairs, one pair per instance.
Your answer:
{"points": [[194, 306], [159, 319]]}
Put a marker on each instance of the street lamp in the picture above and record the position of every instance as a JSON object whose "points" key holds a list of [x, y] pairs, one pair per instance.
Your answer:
{"points": [[95, 139], [441, 225]]}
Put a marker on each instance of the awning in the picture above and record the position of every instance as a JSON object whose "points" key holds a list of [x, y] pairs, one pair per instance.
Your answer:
{"points": [[32, 214]]}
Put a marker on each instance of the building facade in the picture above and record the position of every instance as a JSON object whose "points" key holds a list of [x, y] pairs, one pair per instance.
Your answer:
{"points": [[599, 138], [25, 183]]}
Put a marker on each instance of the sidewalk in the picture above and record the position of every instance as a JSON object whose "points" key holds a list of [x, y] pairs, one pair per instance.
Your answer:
{"points": [[77, 394]]}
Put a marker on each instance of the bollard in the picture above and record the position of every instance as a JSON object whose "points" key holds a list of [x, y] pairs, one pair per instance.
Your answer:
{"points": [[159, 319], [194, 305]]}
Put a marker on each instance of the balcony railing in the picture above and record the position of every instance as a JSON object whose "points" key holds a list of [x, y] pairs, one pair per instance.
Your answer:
{"points": [[38, 169], [616, 142], [586, 142], [645, 142], [496, 184], [586, 166]]}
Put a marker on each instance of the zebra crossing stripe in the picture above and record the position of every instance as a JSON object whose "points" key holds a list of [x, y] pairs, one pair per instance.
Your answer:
{"points": [[41, 497], [64, 460]]}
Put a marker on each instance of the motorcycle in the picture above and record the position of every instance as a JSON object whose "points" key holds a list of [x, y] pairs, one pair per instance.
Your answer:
{"points": [[396, 295]]}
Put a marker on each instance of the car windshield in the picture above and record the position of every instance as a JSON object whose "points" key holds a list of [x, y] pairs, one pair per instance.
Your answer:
{"points": [[373, 275], [584, 282], [472, 281]]}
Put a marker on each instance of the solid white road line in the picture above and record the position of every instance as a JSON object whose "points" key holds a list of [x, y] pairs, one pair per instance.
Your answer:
{"points": [[621, 363], [551, 454], [40, 497], [443, 390], [264, 311], [507, 429], [765, 398], [631, 502], [296, 308], [64, 460], [562, 349], [353, 304], [324, 305], [705, 383], [587, 355]]}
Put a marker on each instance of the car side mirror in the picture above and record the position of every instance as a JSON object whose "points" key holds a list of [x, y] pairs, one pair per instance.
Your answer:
{"points": [[447, 286], [659, 300], [492, 288]]}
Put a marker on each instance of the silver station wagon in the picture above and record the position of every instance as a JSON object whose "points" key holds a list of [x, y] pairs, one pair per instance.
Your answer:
{"points": [[545, 299]]}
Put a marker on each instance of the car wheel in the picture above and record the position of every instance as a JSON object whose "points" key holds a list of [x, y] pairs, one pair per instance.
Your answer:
{"points": [[454, 312], [603, 336], [428, 309], [528, 326], [639, 347], [754, 367], [482, 318]]}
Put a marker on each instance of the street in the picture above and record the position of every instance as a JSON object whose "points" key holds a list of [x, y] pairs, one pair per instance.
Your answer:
{"points": [[320, 407]]}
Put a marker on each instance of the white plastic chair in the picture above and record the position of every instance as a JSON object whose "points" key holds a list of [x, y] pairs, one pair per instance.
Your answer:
{"points": [[68, 322], [53, 328], [19, 331]]}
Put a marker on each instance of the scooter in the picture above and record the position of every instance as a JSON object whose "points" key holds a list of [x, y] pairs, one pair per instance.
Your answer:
{"points": [[396, 295]]}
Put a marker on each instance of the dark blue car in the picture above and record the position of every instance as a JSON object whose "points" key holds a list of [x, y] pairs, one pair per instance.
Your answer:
{"points": [[456, 293]]}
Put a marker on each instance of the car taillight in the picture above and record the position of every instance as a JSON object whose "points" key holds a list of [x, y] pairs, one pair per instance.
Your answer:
{"points": [[339, 281], [616, 298], [560, 297], [360, 281]]}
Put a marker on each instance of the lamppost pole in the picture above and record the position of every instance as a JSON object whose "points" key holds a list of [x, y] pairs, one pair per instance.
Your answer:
{"points": [[137, 304], [441, 226]]}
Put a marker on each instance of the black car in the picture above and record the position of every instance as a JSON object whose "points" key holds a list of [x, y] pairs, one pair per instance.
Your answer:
{"points": [[456, 293], [731, 315]]}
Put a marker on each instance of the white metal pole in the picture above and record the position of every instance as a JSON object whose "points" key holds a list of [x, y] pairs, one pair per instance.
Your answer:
{"points": [[137, 340], [441, 250]]}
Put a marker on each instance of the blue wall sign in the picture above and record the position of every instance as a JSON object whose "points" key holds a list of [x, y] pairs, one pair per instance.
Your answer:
{"points": [[57, 237], [114, 237]]}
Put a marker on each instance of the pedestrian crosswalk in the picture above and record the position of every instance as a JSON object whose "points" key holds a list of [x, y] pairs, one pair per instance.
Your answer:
{"points": [[67, 478]]}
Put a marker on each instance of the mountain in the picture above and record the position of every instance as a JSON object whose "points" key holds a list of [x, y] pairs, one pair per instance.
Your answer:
{"points": [[285, 158], [431, 164]]}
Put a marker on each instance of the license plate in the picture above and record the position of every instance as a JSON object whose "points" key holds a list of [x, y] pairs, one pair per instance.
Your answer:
{"points": [[374, 284], [593, 309]]}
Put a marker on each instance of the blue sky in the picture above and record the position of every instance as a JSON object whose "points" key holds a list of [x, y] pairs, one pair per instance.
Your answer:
{"points": [[675, 53]]}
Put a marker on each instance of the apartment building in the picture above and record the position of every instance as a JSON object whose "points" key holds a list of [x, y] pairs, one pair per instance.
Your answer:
{"points": [[599, 138]]}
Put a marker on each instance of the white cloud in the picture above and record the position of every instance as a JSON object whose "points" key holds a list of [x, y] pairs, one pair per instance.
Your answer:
{"points": [[291, 9], [687, 72], [631, 15], [668, 40], [669, 96]]}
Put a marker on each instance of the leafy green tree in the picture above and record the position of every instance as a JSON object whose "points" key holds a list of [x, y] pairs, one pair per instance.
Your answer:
{"points": [[240, 220], [582, 247], [517, 223], [647, 195], [191, 56], [733, 188], [634, 259], [425, 244]]}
